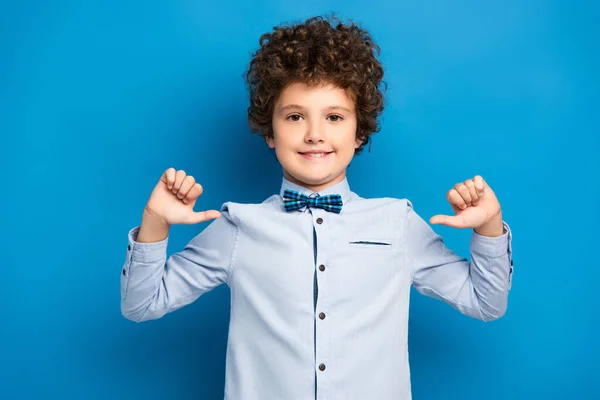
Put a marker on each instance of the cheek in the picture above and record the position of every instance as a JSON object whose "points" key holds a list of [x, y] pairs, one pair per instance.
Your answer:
{"points": [[288, 137], [347, 142]]}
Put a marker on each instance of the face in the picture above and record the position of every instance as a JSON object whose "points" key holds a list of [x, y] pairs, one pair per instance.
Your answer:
{"points": [[314, 134]]}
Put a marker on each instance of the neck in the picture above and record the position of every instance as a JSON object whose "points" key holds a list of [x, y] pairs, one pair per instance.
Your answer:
{"points": [[316, 187]]}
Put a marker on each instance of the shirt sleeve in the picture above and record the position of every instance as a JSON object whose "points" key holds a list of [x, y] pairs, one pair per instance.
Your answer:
{"points": [[477, 288], [152, 285]]}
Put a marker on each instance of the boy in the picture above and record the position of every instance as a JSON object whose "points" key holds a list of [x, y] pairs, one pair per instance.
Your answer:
{"points": [[319, 277]]}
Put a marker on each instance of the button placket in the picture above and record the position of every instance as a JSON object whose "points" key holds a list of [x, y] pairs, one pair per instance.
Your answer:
{"points": [[323, 334]]}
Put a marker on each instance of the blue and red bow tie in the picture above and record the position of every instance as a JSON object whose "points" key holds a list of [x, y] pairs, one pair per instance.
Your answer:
{"points": [[293, 200]]}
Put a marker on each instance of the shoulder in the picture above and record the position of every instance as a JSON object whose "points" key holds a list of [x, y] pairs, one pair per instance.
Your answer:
{"points": [[392, 203], [236, 212]]}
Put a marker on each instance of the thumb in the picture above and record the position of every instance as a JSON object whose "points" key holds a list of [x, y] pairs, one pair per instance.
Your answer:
{"points": [[453, 221], [201, 216]]}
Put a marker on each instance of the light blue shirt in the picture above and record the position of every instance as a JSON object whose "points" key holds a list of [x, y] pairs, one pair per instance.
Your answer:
{"points": [[319, 301]]}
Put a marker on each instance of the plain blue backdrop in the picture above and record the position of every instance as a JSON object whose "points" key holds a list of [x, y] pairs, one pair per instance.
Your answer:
{"points": [[97, 99]]}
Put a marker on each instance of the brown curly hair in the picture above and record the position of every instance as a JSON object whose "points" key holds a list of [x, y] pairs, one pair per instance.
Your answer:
{"points": [[320, 50]]}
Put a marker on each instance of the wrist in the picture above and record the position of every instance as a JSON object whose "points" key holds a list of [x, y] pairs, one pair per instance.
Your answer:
{"points": [[151, 218], [153, 228], [493, 227]]}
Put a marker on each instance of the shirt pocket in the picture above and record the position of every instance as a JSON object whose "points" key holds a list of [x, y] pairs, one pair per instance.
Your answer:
{"points": [[366, 244], [364, 267]]}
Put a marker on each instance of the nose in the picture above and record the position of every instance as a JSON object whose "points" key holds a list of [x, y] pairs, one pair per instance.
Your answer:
{"points": [[314, 133]]}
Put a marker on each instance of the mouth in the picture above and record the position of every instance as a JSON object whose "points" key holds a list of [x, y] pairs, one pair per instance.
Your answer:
{"points": [[315, 155]]}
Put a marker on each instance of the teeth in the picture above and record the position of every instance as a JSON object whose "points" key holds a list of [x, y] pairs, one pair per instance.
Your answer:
{"points": [[316, 155]]}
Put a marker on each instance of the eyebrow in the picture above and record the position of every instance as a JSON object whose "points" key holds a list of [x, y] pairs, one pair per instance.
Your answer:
{"points": [[298, 107]]}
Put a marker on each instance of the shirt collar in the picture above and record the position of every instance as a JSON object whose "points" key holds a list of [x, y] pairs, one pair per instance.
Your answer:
{"points": [[342, 188]]}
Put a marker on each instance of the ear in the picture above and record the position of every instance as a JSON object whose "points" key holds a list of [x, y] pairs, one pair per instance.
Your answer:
{"points": [[357, 143], [270, 141]]}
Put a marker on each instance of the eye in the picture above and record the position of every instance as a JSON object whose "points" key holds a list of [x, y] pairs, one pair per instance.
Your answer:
{"points": [[335, 118], [293, 117]]}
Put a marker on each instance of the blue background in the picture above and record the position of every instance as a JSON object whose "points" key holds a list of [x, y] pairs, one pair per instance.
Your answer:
{"points": [[97, 99]]}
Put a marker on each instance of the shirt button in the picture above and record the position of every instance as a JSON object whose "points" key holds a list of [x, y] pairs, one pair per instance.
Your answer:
{"points": [[124, 272], [129, 247], [322, 367], [319, 220], [322, 315], [321, 267]]}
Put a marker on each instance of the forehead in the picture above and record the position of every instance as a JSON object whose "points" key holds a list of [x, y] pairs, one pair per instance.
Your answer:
{"points": [[322, 95]]}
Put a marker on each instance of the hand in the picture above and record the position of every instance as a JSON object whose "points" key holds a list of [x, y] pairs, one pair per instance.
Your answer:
{"points": [[474, 204], [172, 200]]}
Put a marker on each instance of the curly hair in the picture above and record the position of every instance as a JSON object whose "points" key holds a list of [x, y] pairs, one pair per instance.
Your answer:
{"points": [[315, 52]]}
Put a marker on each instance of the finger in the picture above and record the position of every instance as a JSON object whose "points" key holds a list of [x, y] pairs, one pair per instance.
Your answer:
{"points": [[479, 184], [453, 221], [193, 194], [169, 177], [186, 185], [461, 188], [472, 191], [456, 199], [201, 216], [179, 177]]}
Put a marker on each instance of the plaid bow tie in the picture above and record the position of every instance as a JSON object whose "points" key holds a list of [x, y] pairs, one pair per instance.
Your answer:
{"points": [[293, 200]]}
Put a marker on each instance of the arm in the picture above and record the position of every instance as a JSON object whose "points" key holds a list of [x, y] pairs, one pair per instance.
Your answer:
{"points": [[152, 285], [478, 288]]}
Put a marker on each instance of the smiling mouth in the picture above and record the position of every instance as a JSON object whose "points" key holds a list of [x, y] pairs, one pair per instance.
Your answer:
{"points": [[316, 155]]}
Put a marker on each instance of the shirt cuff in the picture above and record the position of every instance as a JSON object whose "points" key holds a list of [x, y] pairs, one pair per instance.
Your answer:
{"points": [[492, 246], [145, 252]]}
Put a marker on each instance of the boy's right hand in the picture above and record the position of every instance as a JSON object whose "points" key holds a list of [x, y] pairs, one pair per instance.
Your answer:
{"points": [[172, 200]]}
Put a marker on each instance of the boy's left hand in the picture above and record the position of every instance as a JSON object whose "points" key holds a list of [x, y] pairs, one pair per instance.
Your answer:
{"points": [[475, 206]]}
